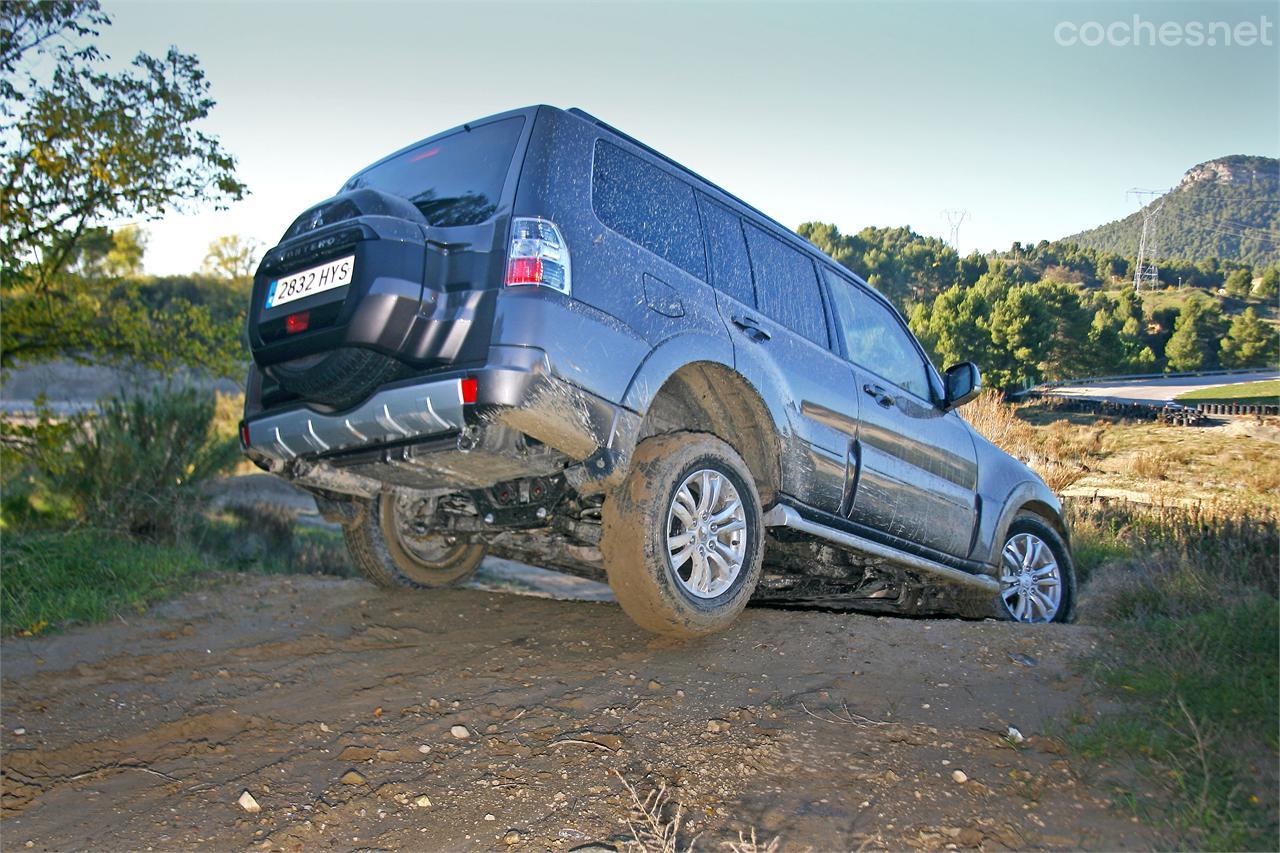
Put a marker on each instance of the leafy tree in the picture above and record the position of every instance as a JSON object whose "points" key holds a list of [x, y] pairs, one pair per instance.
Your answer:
{"points": [[1129, 307], [1249, 342], [1109, 268], [1269, 286], [972, 267], [81, 145], [232, 257], [903, 265], [955, 329], [1022, 326], [1107, 353], [1194, 344], [841, 247], [103, 253], [1066, 353], [1239, 282]]}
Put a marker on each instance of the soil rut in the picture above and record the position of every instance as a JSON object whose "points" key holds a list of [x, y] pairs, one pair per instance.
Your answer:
{"points": [[833, 731]]}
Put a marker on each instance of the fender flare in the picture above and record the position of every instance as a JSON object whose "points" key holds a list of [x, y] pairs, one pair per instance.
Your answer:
{"points": [[667, 358], [1026, 492]]}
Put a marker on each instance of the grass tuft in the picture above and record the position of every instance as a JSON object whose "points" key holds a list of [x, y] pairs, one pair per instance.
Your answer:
{"points": [[84, 575], [1189, 597]]}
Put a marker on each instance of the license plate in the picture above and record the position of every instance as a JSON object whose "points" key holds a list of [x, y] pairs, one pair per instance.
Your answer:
{"points": [[311, 281]]}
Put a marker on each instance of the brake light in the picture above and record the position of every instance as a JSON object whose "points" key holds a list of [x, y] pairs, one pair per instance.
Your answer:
{"points": [[538, 255], [295, 323], [469, 389], [244, 434]]}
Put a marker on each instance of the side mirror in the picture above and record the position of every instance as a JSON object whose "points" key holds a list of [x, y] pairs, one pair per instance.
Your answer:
{"points": [[963, 381]]}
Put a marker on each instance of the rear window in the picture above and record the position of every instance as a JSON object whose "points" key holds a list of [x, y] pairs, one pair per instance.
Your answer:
{"points": [[730, 268], [454, 180], [647, 206], [787, 286]]}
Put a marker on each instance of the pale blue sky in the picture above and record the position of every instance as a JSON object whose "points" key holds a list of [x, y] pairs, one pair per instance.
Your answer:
{"points": [[855, 113]]}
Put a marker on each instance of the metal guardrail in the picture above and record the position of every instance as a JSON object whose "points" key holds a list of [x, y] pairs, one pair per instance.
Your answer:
{"points": [[1168, 413], [1129, 377]]}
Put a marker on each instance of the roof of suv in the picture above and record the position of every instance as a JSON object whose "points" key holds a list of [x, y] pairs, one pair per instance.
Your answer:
{"points": [[583, 115]]}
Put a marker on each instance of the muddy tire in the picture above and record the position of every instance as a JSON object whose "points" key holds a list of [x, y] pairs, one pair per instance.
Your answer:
{"points": [[391, 556], [682, 559], [1037, 576]]}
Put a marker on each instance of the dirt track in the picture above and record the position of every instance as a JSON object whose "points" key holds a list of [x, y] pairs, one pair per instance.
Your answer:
{"points": [[833, 731]]}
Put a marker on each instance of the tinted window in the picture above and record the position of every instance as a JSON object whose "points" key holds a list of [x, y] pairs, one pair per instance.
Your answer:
{"points": [[786, 285], [648, 206], [455, 180], [730, 269], [875, 338]]}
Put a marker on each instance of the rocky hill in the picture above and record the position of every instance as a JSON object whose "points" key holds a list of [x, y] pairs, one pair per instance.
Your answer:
{"points": [[1228, 208]]}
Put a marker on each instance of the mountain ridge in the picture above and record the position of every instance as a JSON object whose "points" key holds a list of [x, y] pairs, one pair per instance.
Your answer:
{"points": [[1226, 208]]}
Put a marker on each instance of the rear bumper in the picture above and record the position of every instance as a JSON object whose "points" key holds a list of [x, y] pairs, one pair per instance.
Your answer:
{"points": [[517, 388], [394, 414]]}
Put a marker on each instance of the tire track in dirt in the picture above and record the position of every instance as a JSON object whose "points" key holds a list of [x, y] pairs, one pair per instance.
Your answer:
{"points": [[832, 731]]}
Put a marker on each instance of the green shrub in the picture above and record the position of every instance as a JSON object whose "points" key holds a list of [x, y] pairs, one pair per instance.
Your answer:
{"points": [[133, 466]]}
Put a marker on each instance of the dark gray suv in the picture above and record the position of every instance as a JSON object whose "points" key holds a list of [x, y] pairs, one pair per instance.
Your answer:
{"points": [[534, 336]]}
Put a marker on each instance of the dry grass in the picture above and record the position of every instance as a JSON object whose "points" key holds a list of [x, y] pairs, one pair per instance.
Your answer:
{"points": [[1059, 453], [1172, 558], [1149, 462], [655, 823], [747, 843], [1147, 465]]}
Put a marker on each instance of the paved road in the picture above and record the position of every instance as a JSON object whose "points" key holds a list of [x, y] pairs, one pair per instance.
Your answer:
{"points": [[1155, 390]]}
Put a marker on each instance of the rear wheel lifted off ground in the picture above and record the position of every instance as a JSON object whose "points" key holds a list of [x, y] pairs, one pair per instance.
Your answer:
{"points": [[683, 538], [391, 546]]}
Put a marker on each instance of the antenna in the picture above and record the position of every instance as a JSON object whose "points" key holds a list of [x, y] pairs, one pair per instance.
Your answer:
{"points": [[955, 218], [1146, 270]]}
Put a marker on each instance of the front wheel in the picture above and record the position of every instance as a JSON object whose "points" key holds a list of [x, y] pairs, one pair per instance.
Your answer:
{"points": [[391, 545], [1037, 576], [683, 535]]}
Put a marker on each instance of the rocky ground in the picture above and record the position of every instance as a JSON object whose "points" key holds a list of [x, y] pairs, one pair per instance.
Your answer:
{"points": [[361, 719]]}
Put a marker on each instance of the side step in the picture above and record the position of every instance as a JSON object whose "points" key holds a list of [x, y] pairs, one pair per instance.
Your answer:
{"points": [[784, 516]]}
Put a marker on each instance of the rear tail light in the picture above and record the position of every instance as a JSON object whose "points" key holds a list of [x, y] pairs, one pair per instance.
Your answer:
{"points": [[538, 255], [244, 434], [469, 389]]}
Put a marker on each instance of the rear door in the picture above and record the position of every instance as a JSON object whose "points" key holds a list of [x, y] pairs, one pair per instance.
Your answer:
{"points": [[769, 296], [916, 471]]}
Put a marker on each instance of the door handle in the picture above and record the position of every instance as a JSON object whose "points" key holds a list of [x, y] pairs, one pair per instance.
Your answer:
{"points": [[750, 326], [882, 396]]}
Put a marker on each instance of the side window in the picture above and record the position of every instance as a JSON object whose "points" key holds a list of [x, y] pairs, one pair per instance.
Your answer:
{"points": [[647, 206], [875, 338], [730, 268], [787, 285]]}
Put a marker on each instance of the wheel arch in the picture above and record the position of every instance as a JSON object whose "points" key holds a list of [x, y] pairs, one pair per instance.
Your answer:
{"points": [[711, 397], [1033, 497]]}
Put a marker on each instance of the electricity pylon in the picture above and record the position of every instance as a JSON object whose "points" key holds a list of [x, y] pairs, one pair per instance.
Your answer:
{"points": [[1146, 270], [955, 218]]}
